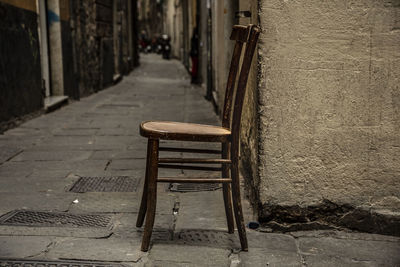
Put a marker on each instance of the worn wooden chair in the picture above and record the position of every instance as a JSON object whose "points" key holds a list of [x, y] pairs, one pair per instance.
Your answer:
{"points": [[227, 135]]}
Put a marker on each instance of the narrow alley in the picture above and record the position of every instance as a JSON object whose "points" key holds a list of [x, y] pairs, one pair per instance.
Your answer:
{"points": [[51, 216], [199, 133]]}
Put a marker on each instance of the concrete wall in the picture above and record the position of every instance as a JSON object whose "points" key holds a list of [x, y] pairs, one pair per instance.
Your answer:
{"points": [[329, 112], [20, 83]]}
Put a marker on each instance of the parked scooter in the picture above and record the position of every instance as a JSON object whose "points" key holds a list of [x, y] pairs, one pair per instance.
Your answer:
{"points": [[166, 47]]}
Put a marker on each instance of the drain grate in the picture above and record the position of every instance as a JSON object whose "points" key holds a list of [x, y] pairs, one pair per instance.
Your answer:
{"points": [[193, 187], [55, 219], [33, 263], [105, 184], [207, 237]]}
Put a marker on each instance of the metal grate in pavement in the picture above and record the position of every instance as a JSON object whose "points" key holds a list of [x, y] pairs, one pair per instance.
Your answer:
{"points": [[37, 263], [55, 219], [105, 184], [207, 237], [193, 187]]}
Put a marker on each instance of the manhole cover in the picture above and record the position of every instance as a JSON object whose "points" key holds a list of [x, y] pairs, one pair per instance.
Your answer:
{"points": [[105, 184], [54, 219], [193, 187], [33, 263], [207, 237]]}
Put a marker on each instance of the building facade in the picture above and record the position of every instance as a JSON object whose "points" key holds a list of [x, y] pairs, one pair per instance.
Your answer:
{"points": [[54, 50]]}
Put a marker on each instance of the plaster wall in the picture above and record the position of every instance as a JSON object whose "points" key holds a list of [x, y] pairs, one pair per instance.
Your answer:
{"points": [[330, 104]]}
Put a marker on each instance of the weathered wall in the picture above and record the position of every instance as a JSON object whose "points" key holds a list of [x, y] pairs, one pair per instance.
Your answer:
{"points": [[19, 44], [329, 114], [69, 72], [87, 47], [249, 130], [102, 42]]}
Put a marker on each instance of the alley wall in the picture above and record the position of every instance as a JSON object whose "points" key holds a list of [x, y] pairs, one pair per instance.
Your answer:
{"points": [[19, 45], [329, 113], [58, 49]]}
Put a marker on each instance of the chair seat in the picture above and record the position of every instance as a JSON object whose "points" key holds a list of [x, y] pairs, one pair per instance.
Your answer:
{"points": [[184, 131]]}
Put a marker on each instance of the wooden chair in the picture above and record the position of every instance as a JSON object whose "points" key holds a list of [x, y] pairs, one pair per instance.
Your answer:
{"points": [[227, 135]]}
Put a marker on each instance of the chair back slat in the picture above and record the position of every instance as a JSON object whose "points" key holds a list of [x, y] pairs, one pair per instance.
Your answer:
{"points": [[230, 85], [251, 44], [239, 33], [242, 34]]}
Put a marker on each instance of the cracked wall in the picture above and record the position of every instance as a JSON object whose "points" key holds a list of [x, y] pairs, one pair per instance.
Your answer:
{"points": [[329, 104]]}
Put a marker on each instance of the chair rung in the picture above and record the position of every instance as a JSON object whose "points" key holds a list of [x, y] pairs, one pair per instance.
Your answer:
{"points": [[194, 160], [190, 150], [193, 180], [188, 167]]}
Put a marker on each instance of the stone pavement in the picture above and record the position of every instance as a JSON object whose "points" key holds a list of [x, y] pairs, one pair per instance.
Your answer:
{"points": [[41, 160]]}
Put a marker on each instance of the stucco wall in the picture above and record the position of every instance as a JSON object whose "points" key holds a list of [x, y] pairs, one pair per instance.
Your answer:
{"points": [[329, 104]]}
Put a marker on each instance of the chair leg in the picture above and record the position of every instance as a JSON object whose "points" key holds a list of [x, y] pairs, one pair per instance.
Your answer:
{"points": [[226, 188], [151, 193], [228, 207], [237, 205], [143, 202]]}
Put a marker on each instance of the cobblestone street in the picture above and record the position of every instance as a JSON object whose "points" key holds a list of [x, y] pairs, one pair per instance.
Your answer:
{"points": [[47, 215]]}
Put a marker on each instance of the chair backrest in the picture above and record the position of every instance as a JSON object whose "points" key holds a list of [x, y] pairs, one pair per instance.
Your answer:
{"points": [[242, 35]]}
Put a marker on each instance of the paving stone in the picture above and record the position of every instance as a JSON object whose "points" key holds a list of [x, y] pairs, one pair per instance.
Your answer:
{"points": [[271, 241], [54, 165], [127, 164], [34, 201], [382, 252], [189, 255], [45, 173], [52, 156], [67, 140], [26, 185], [75, 132], [72, 147], [106, 249], [114, 132], [201, 210], [118, 202], [8, 152], [258, 257], [338, 260], [125, 227], [23, 246], [345, 235], [118, 154]]}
